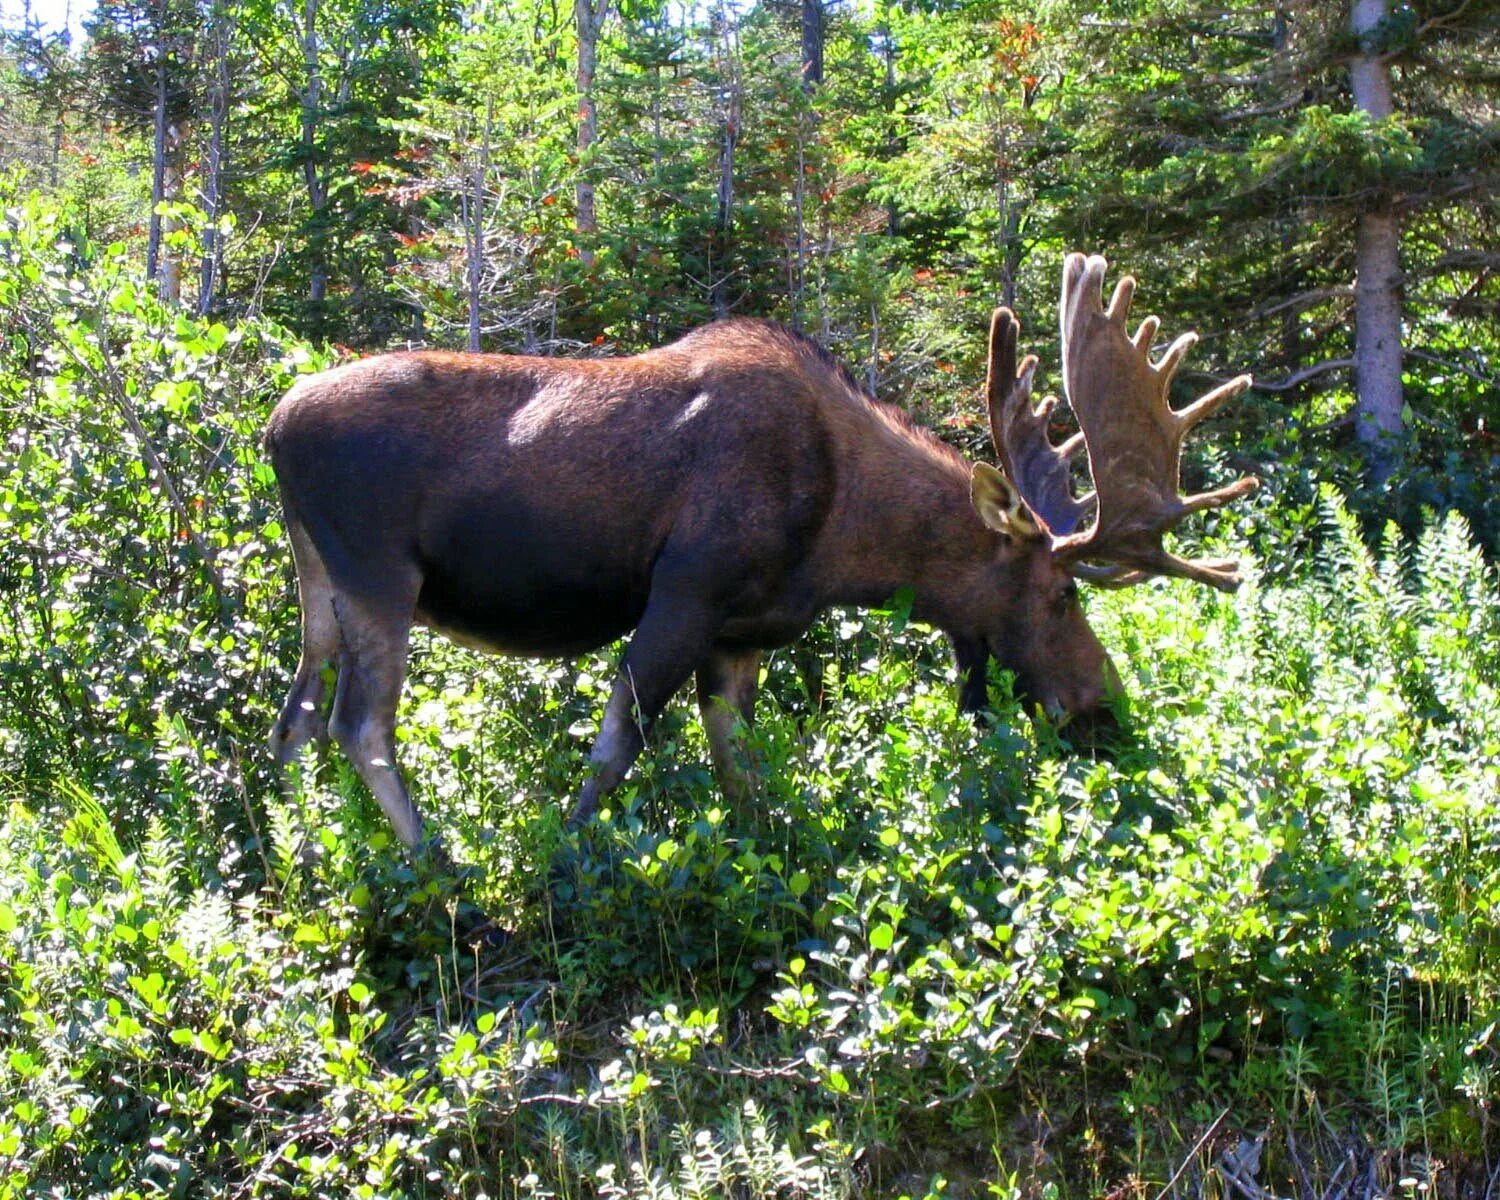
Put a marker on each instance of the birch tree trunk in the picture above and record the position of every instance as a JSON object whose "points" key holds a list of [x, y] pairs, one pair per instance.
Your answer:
{"points": [[158, 165], [311, 100], [211, 267], [729, 139], [1377, 270], [589, 17], [474, 227], [173, 178]]}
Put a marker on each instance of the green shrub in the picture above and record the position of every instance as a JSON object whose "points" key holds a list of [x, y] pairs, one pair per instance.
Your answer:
{"points": [[932, 958]]}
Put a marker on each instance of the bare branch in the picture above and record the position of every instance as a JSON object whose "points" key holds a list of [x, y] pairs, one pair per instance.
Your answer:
{"points": [[1468, 260], [1441, 20], [1479, 376], [1300, 301], [114, 388], [1191, 1154], [1297, 378], [1263, 110]]}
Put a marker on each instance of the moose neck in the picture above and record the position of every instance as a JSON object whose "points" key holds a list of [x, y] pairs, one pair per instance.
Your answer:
{"points": [[903, 519]]}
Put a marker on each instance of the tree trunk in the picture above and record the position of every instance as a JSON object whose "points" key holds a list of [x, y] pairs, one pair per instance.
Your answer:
{"points": [[590, 21], [317, 186], [892, 138], [807, 133], [730, 133], [812, 44], [1377, 270], [173, 176], [797, 266], [158, 166], [474, 227], [1291, 315], [211, 267]]}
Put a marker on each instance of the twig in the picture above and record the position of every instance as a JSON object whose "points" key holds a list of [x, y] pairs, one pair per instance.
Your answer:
{"points": [[1191, 1154], [1300, 301], [1296, 378], [555, 1098], [1489, 1189], [790, 1070], [1334, 1178], [1442, 19], [237, 781], [1428, 356], [1231, 1163], [1295, 1154], [115, 388], [1248, 1190]]}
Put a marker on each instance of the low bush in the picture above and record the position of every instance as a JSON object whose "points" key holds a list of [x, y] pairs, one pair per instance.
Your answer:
{"points": [[1246, 945]]}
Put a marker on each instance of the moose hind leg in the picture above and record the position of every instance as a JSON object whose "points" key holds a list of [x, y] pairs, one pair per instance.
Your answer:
{"points": [[302, 718], [727, 683], [372, 667]]}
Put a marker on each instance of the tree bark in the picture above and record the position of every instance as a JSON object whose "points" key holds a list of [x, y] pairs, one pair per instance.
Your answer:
{"points": [[1377, 271], [729, 138], [590, 18], [892, 138], [474, 228], [311, 101], [212, 265], [173, 176], [158, 163], [812, 44]]}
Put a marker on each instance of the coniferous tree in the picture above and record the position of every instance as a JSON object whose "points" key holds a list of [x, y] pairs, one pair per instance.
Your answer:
{"points": [[143, 55], [1286, 161]]}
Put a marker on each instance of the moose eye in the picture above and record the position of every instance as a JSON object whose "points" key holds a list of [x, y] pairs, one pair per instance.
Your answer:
{"points": [[1067, 597]]}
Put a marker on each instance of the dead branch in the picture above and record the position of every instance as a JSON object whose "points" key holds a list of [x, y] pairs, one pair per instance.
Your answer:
{"points": [[1192, 1154], [1478, 376], [1297, 378], [109, 380]]}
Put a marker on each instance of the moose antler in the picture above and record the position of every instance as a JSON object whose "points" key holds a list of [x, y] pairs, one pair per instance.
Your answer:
{"points": [[1132, 434], [1041, 471]]}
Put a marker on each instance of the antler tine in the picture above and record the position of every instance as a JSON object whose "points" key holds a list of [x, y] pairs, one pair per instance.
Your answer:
{"points": [[1040, 470], [1147, 331], [1134, 436], [1119, 303], [1170, 361], [1206, 405]]}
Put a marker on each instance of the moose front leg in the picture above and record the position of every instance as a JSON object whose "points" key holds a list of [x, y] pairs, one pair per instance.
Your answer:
{"points": [[727, 683], [671, 639], [973, 659]]}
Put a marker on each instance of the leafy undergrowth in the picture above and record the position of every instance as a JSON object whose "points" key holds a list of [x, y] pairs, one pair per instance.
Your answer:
{"points": [[1246, 945]]}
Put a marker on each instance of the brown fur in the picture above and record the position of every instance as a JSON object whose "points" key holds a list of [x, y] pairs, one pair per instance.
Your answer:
{"points": [[714, 495]]}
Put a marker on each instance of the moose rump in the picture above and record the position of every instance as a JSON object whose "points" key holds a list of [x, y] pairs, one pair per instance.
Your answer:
{"points": [[537, 507]]}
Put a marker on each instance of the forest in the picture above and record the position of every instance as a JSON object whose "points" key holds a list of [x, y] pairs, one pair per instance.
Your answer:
{"points": [[1244, 946]]}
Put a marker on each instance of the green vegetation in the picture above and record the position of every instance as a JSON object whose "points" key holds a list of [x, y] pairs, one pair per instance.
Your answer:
{"points": [[1248, 948], [411, 171]]}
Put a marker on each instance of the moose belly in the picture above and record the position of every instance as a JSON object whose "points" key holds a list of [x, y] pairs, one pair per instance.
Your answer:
{"points": [[534, 621]]}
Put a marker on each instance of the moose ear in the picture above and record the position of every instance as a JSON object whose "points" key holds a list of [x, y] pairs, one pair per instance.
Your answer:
{"points": [[999, 504]]}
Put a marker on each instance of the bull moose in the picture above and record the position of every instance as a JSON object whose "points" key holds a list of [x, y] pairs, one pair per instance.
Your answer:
{"points": [[715, 495]]}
